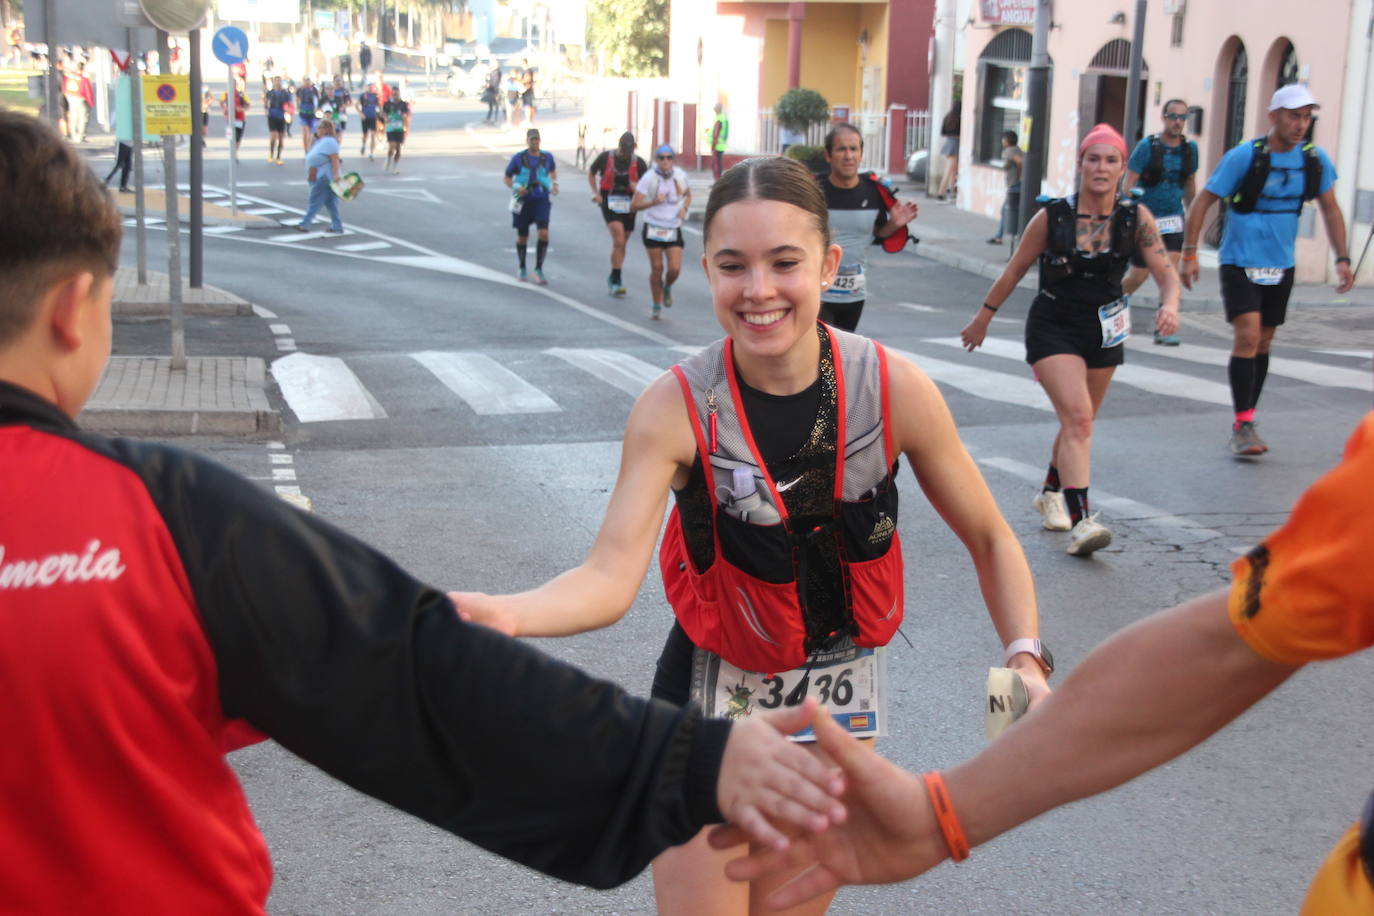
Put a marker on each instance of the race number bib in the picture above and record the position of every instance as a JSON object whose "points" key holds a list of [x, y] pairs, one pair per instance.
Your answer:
{"points": [[1169, 225], [618, 203], [849, 281], [1116, 323], [848, 680], [1264, 276], [659, 234]]}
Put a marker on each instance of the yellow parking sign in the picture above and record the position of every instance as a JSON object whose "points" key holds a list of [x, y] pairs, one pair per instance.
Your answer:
{"points": [[167, 103]]}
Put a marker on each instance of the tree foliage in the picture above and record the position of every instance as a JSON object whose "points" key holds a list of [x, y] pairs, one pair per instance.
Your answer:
{"points": [[798, 109], [631, 36]]}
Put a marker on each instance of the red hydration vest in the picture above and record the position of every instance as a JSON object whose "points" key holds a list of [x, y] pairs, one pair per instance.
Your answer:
{"points": [[730, 609], [609, 173]]}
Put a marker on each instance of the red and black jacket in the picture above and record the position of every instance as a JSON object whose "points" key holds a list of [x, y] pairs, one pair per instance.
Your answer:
{"points": [[157, 610]]}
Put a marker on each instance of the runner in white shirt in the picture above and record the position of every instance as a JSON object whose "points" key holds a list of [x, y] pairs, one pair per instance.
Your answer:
{"points": [[663, 195]]}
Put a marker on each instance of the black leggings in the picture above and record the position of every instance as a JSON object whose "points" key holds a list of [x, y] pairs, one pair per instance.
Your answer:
{"points": [[123, 163]]}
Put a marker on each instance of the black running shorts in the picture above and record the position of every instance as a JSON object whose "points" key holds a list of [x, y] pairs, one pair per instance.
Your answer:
{"points": [[1055, 326], [1240, 295]]}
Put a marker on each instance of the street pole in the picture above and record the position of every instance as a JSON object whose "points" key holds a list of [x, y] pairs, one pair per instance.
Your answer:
{"points": [[197, 255], [54, 100], [140, 206], [1038, 108], [169, 168], [230, 100], [1133, 85]]}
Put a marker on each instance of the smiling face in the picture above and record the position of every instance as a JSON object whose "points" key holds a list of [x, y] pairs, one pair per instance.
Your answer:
{"points": [[1100, 168], [765, 261]]}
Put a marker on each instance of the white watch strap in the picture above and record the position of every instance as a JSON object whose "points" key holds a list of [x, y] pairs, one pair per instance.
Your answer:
{"points": [[1017, 646]]}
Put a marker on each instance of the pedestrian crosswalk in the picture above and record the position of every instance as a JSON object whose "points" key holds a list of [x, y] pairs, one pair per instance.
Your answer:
{"points": [[564, 379]]}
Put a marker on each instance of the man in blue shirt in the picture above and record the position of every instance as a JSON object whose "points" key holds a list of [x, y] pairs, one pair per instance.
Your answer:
{"points": [[533, 177], [1257, 248], [307, 103], [275, 101], [1163, 166]]}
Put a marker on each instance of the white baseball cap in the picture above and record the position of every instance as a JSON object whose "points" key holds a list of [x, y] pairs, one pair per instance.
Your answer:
{"points": [[1293, 96]]}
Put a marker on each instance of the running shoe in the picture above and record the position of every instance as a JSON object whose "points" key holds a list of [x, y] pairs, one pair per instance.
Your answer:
{"points": [[1054, 512], [1245, 442], [1166, 340], [1088, 535], [668, 296], [522, 276], [657, 313], [539, 277], [614, 288], [281, 162]]}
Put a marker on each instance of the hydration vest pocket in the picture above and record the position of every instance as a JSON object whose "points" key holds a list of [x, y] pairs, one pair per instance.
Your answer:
{"points": [[744, 619], [869, 525], [878, 596], [765, 549]]}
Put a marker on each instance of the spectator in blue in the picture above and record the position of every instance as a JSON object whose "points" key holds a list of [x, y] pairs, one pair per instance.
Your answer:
{"points": [[322, 167]]}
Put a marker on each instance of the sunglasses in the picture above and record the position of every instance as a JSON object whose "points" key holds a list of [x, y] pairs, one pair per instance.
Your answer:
{"points": [[1176, 117], [663, 157]]}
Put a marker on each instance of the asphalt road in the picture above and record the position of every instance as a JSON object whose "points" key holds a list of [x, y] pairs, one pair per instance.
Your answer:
{"points": [[500, 501]]}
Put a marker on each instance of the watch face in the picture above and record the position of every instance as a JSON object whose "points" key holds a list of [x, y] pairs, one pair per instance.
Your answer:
{"points": [[1046, 656]]}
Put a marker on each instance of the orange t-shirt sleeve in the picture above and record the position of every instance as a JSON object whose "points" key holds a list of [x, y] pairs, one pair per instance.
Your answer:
{"points": [[1307, 592]]}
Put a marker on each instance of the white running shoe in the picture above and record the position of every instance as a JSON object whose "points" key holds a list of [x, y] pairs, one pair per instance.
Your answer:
{"points": [[1088, 535], [1054, 512]]}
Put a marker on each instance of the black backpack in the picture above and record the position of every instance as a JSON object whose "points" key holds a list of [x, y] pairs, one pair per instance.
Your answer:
{"points": [[1061, 258], [1246, 198], [1154, 170]]}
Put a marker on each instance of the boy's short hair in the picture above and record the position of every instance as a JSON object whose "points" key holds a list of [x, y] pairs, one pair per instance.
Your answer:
{"points": [[55, 218]]}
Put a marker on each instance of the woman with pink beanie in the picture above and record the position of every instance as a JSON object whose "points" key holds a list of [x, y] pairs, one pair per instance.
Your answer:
{"points": [[1078, 324]]}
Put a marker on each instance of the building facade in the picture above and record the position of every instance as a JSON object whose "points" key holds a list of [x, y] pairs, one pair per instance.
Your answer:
{"points": [[1225, 60]]}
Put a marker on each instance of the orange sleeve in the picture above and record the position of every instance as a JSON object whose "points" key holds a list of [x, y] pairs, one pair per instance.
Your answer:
{"points": [[1307, 592]]}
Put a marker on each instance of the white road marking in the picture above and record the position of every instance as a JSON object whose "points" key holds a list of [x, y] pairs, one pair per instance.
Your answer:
{"points": [[286, 344], [484, 384], [917, 308], [1156, 381], [264, 211], [620, 370], [1182, 527], [408, 193], [280, 459], [980, 382], [296, 236], [279, 328], [263, 312], [364, 246], [1302, 370], [322, 388], [1357, 354], [222, 230], [283, 474]]}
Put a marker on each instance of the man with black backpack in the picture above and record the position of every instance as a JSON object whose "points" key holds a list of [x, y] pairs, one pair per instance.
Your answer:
{"points": [[1265, 183], [1163, 166]]}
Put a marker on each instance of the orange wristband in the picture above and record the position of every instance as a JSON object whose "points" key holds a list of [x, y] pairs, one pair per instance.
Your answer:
{"points": [[945, 816], [1190, 257]]}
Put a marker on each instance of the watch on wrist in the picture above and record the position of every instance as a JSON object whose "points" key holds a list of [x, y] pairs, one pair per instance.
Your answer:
{"points": [[1035, 649]]}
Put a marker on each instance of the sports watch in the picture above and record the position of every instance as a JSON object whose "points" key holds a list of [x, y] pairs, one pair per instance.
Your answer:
{"points": [[1035, 649]]}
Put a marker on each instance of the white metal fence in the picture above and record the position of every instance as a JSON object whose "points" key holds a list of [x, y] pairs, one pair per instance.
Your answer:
{"points": [[874, 127]]}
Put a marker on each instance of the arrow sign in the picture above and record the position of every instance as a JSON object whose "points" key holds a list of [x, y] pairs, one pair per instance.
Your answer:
{"points": [[230, 45]]}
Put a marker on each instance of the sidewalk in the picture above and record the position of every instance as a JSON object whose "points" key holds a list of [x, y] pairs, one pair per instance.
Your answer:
{"points": [[143, 395]]}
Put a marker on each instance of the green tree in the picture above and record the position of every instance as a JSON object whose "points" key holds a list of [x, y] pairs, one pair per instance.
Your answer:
{"points": [[798, 109], [631, 36]]}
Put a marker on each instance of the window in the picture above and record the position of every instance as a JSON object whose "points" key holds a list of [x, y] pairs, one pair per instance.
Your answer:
{"points": [[1176, 32], [1002, 91]]}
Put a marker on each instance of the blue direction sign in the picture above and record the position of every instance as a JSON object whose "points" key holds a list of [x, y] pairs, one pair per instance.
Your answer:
{"points": [[230, 45]]}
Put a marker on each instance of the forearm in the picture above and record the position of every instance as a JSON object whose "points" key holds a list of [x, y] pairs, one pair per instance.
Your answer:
{"points": [[1004, 286], [1335, 229], [1197, 215], [1143, 697], [583, 598], [1004, 578]]}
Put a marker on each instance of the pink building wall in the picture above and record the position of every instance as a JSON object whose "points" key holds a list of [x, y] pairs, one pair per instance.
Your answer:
{"points": [[1197, 72]]}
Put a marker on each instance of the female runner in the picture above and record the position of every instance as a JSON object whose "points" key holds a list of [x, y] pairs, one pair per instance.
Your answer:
{"points": [[780, 553], [1077, 327]]}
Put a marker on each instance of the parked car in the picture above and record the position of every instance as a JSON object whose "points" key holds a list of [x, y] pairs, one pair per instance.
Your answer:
{"points": [[916, 165]]}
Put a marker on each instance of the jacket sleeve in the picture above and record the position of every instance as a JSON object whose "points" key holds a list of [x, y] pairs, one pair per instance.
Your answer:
{"points": [[341, 656]]}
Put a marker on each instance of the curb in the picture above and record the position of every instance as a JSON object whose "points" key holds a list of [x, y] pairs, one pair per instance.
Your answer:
{"points": [[149, 422], [163, 309]]}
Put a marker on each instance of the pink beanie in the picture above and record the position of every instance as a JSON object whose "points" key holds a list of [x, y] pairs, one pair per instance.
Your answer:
{"points": [[1103, 133]]}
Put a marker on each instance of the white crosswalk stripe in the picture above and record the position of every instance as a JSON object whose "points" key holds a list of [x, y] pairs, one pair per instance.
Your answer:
{"points": [[484, 384], [1155, 381], [621, 370], [1300, 369], [979, 381], [320, 388]]}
